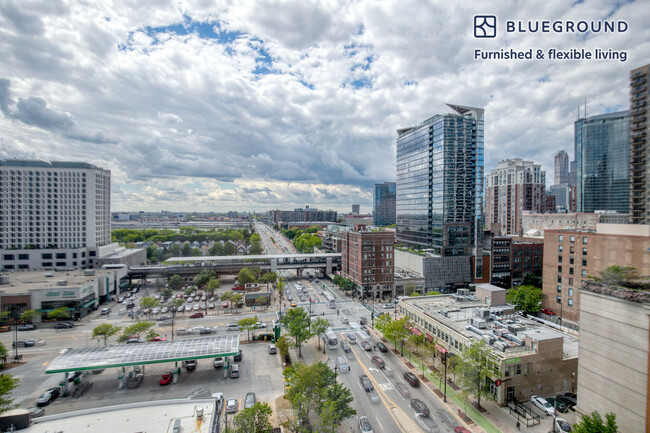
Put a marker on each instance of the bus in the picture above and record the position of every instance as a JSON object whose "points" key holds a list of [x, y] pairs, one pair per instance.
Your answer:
{"points": [[330, 340], [329, 299]]}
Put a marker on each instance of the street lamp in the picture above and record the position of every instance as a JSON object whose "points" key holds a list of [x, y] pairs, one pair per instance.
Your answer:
{"points": [[444, 361]]}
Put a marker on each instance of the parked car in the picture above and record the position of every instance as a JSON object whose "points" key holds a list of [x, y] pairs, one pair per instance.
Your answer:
{"points": [[218, 362], [5, 328], [197, 315], [249, 400], [382, 347], [568, 400], [134, 341], [547, 311], [134, 381], [74, 375], [542, 404], [156, 310], [190, 364], [158, 338], [237, 358], [190, 299], [366, 383], [234, 371], [272, 349], [420, 407], [211, 305], [561, 426], [225, 305], [23, 343], [105, 311], [378, 361], [35, 412], [63, 325], [26, 327], [412, 379], [461, 430], [364, 425], [120, 299], [166, 378], [231, 405], [558, 405], [48, 396], [260, 325]]}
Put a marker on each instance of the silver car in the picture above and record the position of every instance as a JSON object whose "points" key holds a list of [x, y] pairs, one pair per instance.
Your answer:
{"points": [[231, 405]]}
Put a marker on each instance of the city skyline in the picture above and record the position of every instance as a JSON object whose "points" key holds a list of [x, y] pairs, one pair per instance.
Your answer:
{"points": [[231, 108]]}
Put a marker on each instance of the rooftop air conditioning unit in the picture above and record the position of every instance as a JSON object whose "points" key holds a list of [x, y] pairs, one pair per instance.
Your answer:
{"points": [[62, 283], [89, 272], [48, 275]]}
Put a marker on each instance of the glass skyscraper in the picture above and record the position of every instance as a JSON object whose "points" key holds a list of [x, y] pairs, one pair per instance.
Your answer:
{"points": [[602, 146], [384, 204], [439, 199]]}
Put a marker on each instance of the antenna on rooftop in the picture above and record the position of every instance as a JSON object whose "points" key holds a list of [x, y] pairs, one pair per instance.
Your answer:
{"points": [[585, 108]]}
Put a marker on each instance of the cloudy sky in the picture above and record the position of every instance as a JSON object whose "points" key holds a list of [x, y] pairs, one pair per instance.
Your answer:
{"points": [[221, 105]]}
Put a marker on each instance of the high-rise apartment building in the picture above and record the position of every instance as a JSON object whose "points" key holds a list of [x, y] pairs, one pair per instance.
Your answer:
{"points": [[368, 259], [603, 162], [639, 149], [561, 168], [514, 186], [440, 182], [302, 215], [355, 209], [53, 214], [384, 204]]}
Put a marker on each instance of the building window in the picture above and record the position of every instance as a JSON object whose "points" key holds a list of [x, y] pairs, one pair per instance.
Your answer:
{"points": [[584, 262], [23, 256], [559, 248], [584, 273], [570, 271], [560, 238], [572, 239], [570, 281], [9, 257], [559, 289], [559, 269], [559, 259], [558, 299], [570, 302], [584, 251], [584, 240], [570, 291], [559, 278], [571, 260]]}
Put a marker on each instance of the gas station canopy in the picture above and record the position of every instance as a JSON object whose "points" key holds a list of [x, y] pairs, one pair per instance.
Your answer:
{"points": [[122, 355]]}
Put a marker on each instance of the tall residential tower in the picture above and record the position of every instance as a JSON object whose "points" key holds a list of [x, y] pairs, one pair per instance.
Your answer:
{"points": [[440, 182], [639, 149], [561, 168], [384, 204]]}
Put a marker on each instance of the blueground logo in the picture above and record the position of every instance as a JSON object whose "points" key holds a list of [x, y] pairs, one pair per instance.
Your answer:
{"points": [[485, 26]]}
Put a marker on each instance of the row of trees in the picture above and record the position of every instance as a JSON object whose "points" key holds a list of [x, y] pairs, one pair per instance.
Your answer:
{"points": [[28, 316], [345, 284], [304, 240], [183, 234]]}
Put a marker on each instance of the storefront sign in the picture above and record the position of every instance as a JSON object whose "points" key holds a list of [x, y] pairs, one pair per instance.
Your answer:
{"points": [[513, 361]]}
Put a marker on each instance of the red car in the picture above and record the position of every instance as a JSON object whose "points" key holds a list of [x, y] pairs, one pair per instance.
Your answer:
{"points": [[158, 338], [461, 430], [547, 311], [166, 378], [197, 315]]}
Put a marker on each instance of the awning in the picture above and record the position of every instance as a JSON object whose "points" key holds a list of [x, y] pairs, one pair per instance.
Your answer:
{"points": [[89, 303], [416, 331], [429, 337], [441, 349]]}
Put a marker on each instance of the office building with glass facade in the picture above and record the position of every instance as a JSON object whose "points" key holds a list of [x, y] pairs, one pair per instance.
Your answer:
{"points": [[439, 194], [603, 162], [384, 204]]}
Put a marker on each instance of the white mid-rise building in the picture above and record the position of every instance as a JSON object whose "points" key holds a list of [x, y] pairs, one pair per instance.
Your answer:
{"points": [[53, 214]]}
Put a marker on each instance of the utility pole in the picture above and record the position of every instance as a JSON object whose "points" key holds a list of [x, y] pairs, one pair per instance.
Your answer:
{"points": [[444, 361]]}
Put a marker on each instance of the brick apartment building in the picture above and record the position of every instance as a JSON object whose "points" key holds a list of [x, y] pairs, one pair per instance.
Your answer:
{"points": [[513, 258], [571, 256], [368, 259]]}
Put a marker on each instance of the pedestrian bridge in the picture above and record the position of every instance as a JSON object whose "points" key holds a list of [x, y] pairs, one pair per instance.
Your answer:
{"points": [[324, 262]]}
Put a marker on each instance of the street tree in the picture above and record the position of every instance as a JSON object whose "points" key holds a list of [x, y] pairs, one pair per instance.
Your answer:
{"points": [[399, 330], [177, 303], [525, 298], [203, 277], [382, 321], [7, 384], [269, 278], [418, 340], [246, 276], [226, 296], [593, 423], [186, 250], [58, 314], [248, 323], [166, 293], [297, 323], [4, 352], [475, 369], [229, 249], [189, 290], [236, 300], [149, 302], [318, 327], [255, 419], [27, 316], [212, 285], [262, 300], [105, 330], [175, 282], [137, 328]]}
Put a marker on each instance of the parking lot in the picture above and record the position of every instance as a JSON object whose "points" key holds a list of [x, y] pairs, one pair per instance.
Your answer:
{"points": [[259, 372]]}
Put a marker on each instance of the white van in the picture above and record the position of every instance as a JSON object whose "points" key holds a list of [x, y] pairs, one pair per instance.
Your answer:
{"points": [[342, 365]]}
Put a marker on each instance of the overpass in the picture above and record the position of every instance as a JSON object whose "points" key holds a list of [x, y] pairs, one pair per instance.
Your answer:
{"points": [[231, 265]]}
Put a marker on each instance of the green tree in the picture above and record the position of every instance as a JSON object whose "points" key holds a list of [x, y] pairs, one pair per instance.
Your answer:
{"points": [[177, 303], [262, 300], [189, 290], [4, 316], [236, 300], [151, 334], [7, 384], [229, 249], [203, 277], [297, 322], [475, 369], [227, 296], [382, 321], [399, 330], [196, 252], [318, 327], [27, 316], [282, 345], [246, 276], [166, 293], [593, 423], [618, 276], [212, 285], [269, 278], [175, 282], [105, 330], [525, 298], [216, 249], [58, 314], [418, 340], [531, 279], [255, 419], [256, 244], [3, 353], [137, 328], [248, 323], [149, 302], [186, 250], [175, 250]]}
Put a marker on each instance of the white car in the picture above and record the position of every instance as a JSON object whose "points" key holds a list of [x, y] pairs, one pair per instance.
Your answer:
{"points": [[180, 309], [196, 307], [211, 305], [231, 405], [164, 310], [156, 310], [190, 299], [364, 425], [260, 325], [389, 306], [562, 426], [542, 404]]}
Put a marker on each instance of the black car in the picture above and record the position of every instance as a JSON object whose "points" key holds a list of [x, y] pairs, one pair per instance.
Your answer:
{"points": [[63, 325], [365, 382], [412, 379], [420, 407], [48, 397], [237, 357], [382, 347], [26, 327], [567, 400], [74, 375], [23, 343]]}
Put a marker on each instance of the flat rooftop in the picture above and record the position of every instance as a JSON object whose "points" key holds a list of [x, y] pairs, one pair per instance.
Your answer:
{"points": [[20, 282], [151, 416], [457, 314]]}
